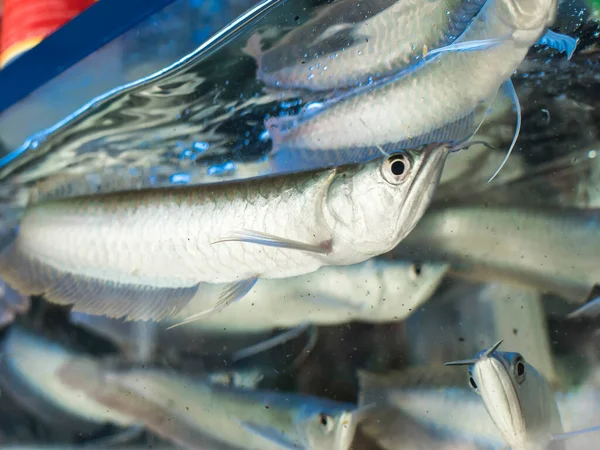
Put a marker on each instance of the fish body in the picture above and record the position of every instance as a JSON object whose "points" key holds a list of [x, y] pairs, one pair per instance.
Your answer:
{"points": [[453, 413], [435, 99], [436, 400], [29, 372], [143, 254], [517, 398], [349, 43], [550, 249], [373, 291], [198, 411]]}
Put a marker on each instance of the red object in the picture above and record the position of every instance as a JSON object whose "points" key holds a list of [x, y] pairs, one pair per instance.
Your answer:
{"points": [[26, 22]]}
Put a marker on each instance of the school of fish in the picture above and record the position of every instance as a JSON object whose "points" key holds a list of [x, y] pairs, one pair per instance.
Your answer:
{"points": [[326, 296]]}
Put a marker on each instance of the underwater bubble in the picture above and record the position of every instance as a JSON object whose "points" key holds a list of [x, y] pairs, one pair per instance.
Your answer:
{"points": [[220, 169], [180, 178]]}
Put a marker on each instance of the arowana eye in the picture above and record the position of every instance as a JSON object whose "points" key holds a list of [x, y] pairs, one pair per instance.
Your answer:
{"points": [[520, 370], [396, 168], [326, 422]]}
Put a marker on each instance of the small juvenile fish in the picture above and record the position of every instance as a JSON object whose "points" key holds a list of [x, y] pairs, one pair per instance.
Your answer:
{"points": [[436, 99], [144, 254], [518, 399], [347, 42], [197, 414]]}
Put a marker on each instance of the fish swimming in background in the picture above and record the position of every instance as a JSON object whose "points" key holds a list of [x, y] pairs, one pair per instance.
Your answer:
{"points": [[349, 43], [433, 398], [374, 291], [450, 413], [28, 373], [206, 415], [440, 98], [518, 399], [144, 254], [506, 242]]}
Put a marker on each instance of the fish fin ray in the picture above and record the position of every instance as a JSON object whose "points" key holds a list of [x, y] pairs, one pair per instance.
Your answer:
{"points": [[572, 434], [268, 344], [91, 295], [270, 434], [230, 294], [509, 89], [467, 46], [270, 240], [560, 42], [591, 307]]}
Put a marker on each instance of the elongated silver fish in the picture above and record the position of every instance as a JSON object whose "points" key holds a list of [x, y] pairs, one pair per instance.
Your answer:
{"points": [[29, 373], [436, 99], [195, 413], [349, 43], [144, 254], [452, 413], [517, 398], [552, 249], [374, 291]]}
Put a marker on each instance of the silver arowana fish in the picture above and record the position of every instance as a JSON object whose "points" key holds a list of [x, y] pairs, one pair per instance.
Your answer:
{"points": [[144, 254], [518, 399], [373, 291], [437, 99], [440, 401], [348, 43], [547, 248], [197, 414]]}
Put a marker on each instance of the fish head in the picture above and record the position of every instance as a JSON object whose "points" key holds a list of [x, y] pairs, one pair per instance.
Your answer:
{"points": [[516, 397], [321, 426], [413, 282], [372, 208], [529, 18]]}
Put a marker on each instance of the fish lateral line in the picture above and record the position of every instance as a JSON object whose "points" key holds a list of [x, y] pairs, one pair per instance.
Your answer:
{"points": [[270, 240]]}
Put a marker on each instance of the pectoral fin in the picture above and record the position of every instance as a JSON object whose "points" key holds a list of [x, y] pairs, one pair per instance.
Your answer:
{"points": [[591, 308], [270, 240], [269, 343], [508, 89], [468, 46], [572, 434], [231, 294], [560, 42]]}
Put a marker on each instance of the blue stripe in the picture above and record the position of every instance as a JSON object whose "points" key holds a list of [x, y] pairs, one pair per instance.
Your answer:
{"points": [[92, 29]]}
